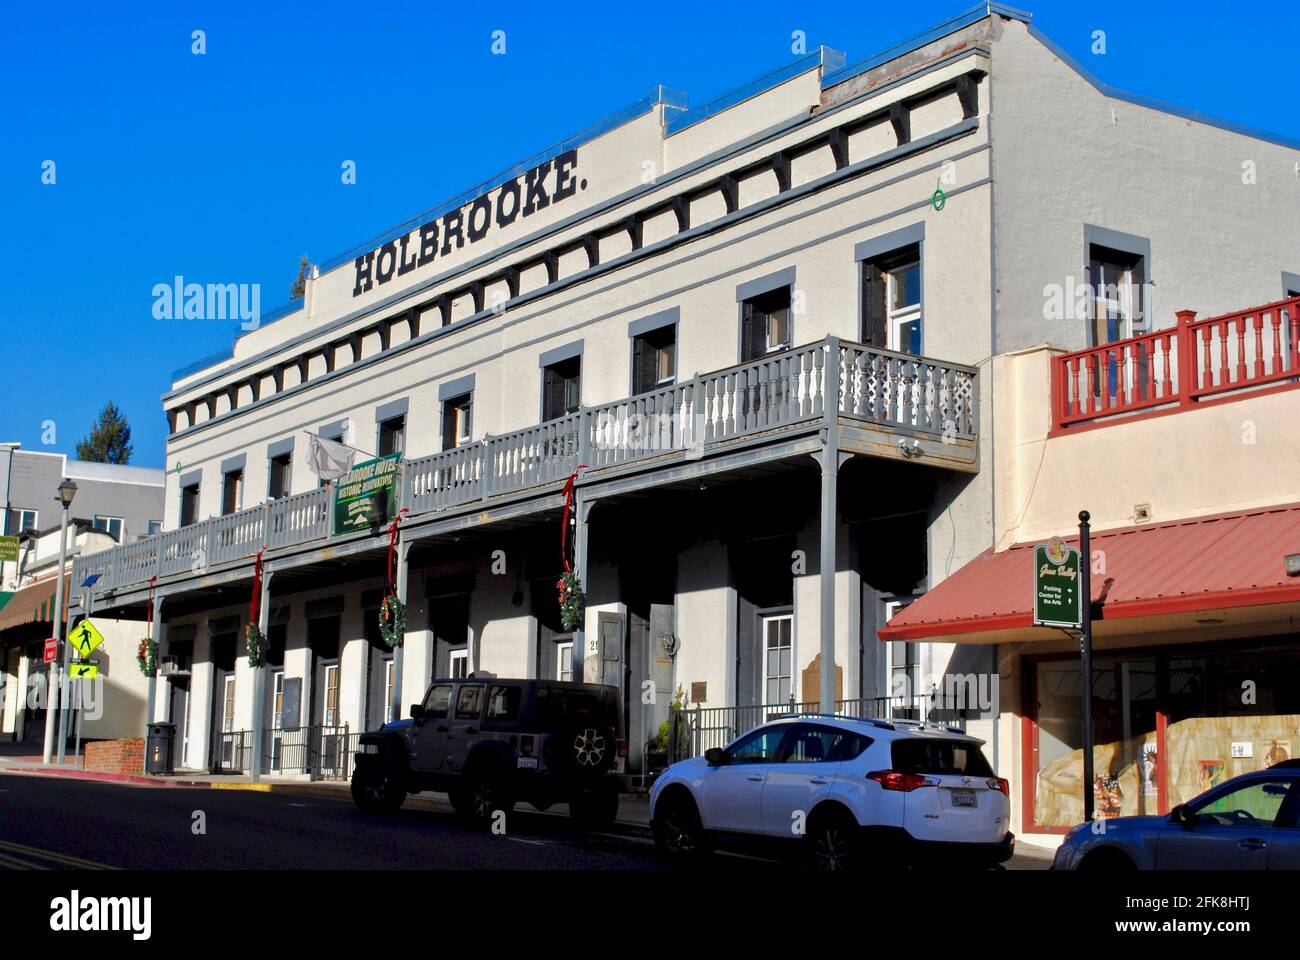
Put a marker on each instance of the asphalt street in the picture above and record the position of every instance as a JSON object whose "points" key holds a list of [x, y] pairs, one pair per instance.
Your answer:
{"points": [[53, 823]]}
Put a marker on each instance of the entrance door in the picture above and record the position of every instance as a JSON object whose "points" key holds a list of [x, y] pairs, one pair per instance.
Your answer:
{"points": [[223, 752], [178, 713], [277, 719], [330, 731], [226, 721], [778, 647]]}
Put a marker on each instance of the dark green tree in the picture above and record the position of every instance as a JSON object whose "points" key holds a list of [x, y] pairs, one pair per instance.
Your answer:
{"points": [[109, 440], [299, 285]]}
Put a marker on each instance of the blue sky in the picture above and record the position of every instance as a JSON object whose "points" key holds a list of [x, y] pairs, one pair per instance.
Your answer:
{"points": [[226, 167]]}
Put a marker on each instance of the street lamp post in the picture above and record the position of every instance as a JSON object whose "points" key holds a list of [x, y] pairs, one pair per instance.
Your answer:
{"points": [[67, 490]]}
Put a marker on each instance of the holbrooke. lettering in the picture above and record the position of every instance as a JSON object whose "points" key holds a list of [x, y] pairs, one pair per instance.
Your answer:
{"points": [[73, 914], [519, 197]]}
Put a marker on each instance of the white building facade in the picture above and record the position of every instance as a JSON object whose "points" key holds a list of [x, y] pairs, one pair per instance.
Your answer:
{"points": [[756, 334]]}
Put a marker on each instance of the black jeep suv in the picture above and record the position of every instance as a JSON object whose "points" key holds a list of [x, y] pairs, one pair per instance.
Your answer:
{"points": [[490, 742]]}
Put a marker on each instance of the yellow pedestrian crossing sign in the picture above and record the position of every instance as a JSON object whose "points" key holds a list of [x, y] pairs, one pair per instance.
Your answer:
{"points": [[85, 637], [82, 671]]}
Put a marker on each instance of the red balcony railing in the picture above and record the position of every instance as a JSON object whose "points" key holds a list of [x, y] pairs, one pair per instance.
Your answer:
{"points": [[1177, 368]]}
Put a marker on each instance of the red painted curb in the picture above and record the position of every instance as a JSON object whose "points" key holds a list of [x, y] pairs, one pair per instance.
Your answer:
{"points": [[91, 775]]}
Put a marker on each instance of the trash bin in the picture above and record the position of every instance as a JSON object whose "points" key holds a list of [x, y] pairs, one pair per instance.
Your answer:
{"points": [[158, 750]]}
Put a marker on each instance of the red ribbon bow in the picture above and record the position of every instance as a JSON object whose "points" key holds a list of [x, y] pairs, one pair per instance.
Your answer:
{"points": [[255, 605], [564, 522], [392, 544]]}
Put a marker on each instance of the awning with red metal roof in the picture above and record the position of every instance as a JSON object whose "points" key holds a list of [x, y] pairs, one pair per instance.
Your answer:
{"points": [[1191, 567]]}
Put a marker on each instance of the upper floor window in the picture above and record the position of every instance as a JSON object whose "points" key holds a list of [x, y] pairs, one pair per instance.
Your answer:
{"points": [[392, 435], [765, 324], [561, 388], [891, 300], [280, 478], [189, 504], [21, 520], [232, 491], [654, 359], [456, 421], [1115, 279], [155, 526], [110, 525]]}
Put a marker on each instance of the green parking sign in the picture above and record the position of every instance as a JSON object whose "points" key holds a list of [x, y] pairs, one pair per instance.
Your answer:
{"points": [[1057, 593]]}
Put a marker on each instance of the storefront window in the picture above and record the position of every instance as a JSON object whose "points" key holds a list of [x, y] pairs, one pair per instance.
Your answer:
{"points": [[1230, 715], [1124, 740], [1166, 728]]}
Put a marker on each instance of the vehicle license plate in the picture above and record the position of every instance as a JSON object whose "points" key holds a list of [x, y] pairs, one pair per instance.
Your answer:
{"points": [[527, 763], [964, 798]]}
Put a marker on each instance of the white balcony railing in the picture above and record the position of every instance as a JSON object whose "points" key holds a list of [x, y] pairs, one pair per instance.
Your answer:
{"points": [[914, 395]]}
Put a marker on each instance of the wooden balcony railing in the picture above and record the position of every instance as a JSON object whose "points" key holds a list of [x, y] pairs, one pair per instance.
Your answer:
{"points": [[913, 395], [1177, 368]]}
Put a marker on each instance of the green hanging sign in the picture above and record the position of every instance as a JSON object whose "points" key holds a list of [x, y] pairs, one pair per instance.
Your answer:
{"points": [[366, 496]]}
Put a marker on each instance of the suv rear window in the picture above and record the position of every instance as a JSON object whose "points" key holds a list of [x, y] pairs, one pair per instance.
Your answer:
{"points": [[469, 702], [562, 708], [503, 703], [940, 757]]}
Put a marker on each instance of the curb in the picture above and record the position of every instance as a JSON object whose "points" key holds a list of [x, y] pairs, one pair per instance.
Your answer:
{"points": [[93, 775]]}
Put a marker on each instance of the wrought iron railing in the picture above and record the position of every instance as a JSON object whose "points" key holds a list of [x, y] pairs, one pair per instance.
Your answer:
{"points": [[786, 390], [323, 752], [693, 731]]}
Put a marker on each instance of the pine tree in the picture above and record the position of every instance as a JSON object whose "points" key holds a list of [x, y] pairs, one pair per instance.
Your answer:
{"points": [[299, 285], [109, 440]]}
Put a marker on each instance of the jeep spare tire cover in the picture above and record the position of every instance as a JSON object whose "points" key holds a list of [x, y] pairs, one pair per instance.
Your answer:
{"points": [[581, 738]]}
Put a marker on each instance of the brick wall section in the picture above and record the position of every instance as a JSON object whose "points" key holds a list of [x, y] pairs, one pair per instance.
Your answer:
{"points": [[116, 756]]}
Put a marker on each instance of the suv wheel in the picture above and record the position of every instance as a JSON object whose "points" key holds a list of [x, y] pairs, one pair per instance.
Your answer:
{"points": [[833, 843], [679, 832], [596, 807], [481, 796], [376, 791]]}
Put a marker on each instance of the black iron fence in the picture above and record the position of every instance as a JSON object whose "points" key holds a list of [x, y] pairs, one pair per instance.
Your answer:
{"points": [[232, 752], [322, 752], [693, 731]]}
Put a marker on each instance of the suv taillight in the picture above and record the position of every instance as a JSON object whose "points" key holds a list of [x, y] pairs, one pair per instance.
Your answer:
{"points": [[526, 745], [1000, 785], [903, 782]]}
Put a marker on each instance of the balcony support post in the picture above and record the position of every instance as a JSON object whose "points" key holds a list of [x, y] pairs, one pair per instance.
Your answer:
{"points": [[259, 675], [399, 585], [581, 510], [158, 633], [830, 458]]}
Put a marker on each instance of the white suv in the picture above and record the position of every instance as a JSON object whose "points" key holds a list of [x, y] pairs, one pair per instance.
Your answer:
{"points": [[846, 792]]}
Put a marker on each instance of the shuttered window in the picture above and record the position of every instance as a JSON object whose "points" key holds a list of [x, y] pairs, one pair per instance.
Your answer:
{"points": [[765, 324], [561, 388]]}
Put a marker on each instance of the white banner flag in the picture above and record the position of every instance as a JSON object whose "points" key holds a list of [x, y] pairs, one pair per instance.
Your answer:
{"points": [[329, 459]]}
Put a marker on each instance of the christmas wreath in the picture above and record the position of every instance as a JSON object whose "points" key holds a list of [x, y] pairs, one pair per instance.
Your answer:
{"points": [[392, 620], [253, 645], [571, 599], [146, 657]]}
